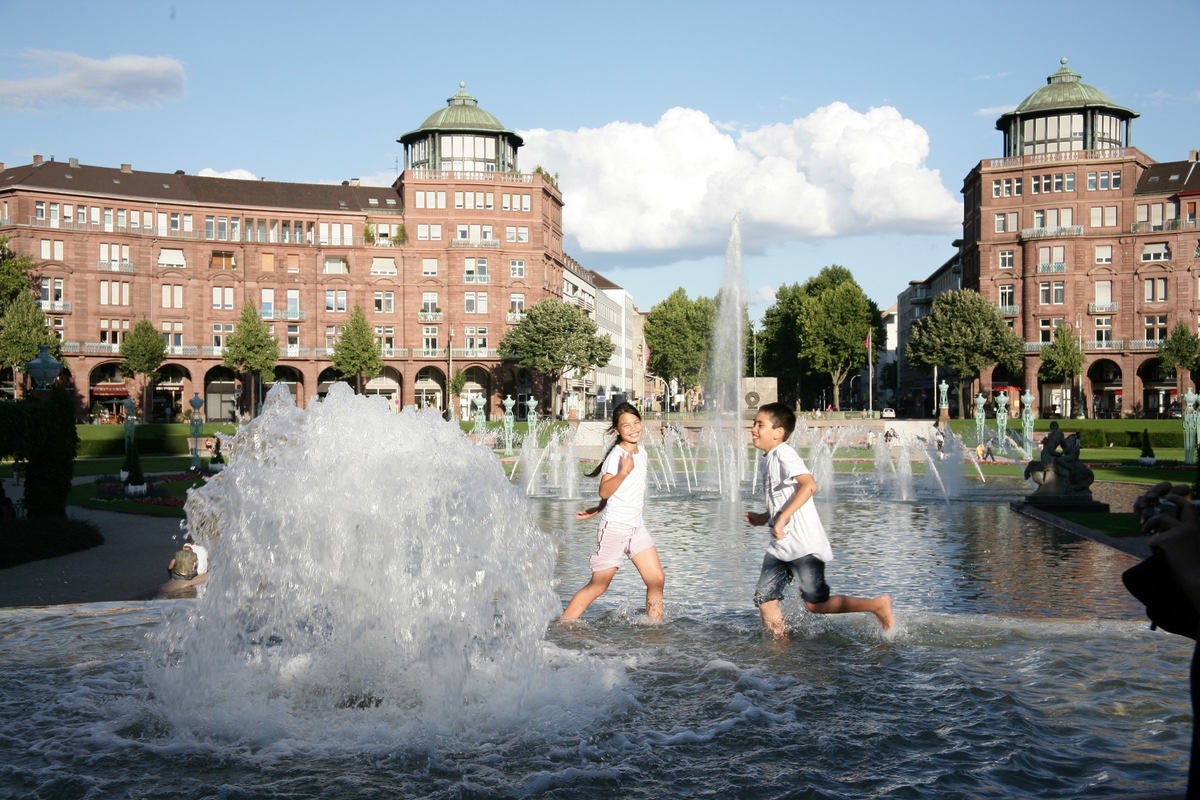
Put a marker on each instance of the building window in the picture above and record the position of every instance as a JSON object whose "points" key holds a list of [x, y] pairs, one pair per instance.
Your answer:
{"points": [[429, 302], [1103, 330], [1008, 295], [429, 267], [429, 340], [222, 297], [52, 290], [475, 270], [220, 331], [223, 259], [1156, 251], [1046, 330], [385, 302], [1103, 181], [293, 263], [1103, 291], [172, 295], [385, 337], [516, 268], [1060, 293], [331, 336], [1156, 290], [335, 300], [1156, 327], [1044, 293], [336, 265], [1104, 254]]}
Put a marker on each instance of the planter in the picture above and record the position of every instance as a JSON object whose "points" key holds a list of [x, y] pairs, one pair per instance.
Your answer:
{"points": [[215, 467], [135, 490], [1148, 461]]}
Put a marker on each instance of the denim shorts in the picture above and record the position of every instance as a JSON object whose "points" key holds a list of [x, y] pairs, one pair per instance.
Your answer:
{"points": [[808, 571]]}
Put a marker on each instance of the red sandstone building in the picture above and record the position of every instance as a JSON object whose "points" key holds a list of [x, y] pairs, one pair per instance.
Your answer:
{"points": [[443, 262], [1072, 225]]}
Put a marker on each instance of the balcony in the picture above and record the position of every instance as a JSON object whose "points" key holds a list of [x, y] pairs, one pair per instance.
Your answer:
{"points": [[1111, 345], [55, 306], [471, 277], [486, 243], [1035, 347], [183, 350], [287, 314], [114, 266], [294, 351], [101, 348], [430, 352], [1143, 344], [212, 350], [1052, 233], [1009, 311], [476, 352], [515, 316], [393, 352], [1103, 308], [430, 316], [1057, 266]]}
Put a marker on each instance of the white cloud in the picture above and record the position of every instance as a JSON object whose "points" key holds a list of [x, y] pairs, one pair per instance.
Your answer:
{"points": [[237, 174], [117, 82], [674, 186]]}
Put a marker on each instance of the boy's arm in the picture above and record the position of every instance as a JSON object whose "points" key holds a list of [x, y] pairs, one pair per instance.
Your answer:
{"points": [[806, 487]]}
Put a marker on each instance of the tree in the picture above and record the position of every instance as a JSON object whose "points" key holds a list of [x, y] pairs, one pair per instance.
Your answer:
{"points": [[1180, 349], [16, 274], [679, 334], [251, 349], [834, 325], [143, 351], [966, 333], [23, 331], [1063, 358], [356, 353], [779, 343], [554, 339]]}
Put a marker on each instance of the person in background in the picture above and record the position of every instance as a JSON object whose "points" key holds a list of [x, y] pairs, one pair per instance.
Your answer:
{"points": [[182, 566], [201, 554]]}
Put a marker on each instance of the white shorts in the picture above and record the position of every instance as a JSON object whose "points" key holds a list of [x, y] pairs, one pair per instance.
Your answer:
{"points": [[614, 541]]}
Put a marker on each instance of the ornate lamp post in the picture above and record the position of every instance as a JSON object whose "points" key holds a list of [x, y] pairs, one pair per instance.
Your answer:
{"points": [[1189, 425], [531, 405], [130, 421], [508, 423], [197, 428], [1027, 402], [43, 370]]}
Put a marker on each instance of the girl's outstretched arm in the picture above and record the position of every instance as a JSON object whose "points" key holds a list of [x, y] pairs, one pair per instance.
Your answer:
{"points": [[588, 513]]}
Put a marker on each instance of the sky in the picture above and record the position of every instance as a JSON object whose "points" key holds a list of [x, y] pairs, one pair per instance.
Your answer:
{"points": [[836, 133]]}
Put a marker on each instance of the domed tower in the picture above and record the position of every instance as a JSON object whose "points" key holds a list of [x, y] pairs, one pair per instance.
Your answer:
{"points": [[1065, 115], [461, 137]]}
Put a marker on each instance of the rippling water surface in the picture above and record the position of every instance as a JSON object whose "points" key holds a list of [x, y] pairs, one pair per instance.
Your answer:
{"points": [[1019, 667]]}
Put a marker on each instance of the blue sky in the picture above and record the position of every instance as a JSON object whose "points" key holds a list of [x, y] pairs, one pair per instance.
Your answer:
{"points": [[841, 132]]}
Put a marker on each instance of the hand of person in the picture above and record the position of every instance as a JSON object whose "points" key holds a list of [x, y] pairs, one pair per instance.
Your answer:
{"points": [[626, 465], [587, 513], [756, 517], [779, 529]]}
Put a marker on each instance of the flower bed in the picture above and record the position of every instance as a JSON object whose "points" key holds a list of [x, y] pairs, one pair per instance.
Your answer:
{"points": [[110, 487]]}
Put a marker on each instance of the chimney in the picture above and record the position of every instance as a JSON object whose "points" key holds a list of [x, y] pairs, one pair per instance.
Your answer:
{"points": [[37, 161], [1194, 155], [354, 181], [1, 166], [75, 163], [126, 168]]}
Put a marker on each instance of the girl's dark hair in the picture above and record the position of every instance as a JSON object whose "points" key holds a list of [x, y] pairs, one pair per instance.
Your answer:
{"points": [[620, 410]]}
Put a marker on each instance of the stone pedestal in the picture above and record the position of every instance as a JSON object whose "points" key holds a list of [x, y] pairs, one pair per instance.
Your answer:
{"points": [[1066, 502]]}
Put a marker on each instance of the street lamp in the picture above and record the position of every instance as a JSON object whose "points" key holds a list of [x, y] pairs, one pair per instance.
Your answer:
{"points": [[197, 429], [43, 370], [450, 375]]}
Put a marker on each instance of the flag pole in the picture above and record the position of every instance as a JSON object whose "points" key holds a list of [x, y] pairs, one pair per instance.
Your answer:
{"points": [[870, 375]]}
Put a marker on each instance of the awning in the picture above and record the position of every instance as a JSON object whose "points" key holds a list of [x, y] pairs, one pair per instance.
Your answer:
{"points": [[169, 257], [109, 390]]}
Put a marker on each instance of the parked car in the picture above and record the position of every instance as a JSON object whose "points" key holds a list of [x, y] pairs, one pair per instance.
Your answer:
{"points": [[888, 413]]}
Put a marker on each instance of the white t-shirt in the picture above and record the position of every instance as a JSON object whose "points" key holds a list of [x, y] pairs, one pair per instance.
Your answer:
{"points": [[201, 557], [625, 504], [805, 533]]}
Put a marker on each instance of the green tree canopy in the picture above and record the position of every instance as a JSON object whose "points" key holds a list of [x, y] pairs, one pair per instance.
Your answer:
{"points": [[143, 352], [23, 331], [554, 339], [834, 325], [965, 333], [1063, 358], [16, 274], [251, 349], [1180, 349], [679, 334], [356, 353], [779, 343]]}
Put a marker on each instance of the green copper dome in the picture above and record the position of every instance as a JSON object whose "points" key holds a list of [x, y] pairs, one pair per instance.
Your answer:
{"points": [[1065, 91], [462, 114]]}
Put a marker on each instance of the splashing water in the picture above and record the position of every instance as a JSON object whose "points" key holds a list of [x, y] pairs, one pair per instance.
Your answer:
{"points": [[362, 559]]}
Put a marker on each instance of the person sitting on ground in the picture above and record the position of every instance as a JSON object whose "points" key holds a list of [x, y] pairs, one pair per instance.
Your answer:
{"points": [[182, 566], [201, 554]]}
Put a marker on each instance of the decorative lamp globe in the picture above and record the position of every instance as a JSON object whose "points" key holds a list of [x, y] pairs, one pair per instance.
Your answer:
{"points": [[44, 369]]}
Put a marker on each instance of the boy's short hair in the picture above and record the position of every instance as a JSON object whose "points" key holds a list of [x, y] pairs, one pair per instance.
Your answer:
{"points": [[781, 416]]}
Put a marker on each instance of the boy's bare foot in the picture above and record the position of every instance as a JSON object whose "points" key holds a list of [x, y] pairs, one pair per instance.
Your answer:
{"points": [[884, 612]]}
